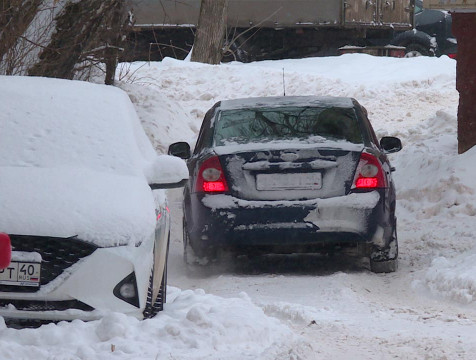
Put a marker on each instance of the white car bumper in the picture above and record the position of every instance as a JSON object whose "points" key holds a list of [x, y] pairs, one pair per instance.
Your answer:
{"points": [[91, 281]]}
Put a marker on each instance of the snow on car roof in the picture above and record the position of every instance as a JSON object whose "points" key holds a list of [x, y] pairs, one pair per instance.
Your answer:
{"points": [[282, 101]]}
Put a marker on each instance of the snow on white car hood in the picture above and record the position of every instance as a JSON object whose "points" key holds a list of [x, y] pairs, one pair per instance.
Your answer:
{"points": [[44, 202]]}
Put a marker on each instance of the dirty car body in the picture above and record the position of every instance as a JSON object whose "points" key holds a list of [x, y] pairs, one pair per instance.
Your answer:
{"points": [[289, 175]]}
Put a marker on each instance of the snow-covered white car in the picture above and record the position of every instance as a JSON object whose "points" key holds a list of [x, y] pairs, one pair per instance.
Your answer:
{"points": [[89, 235]]}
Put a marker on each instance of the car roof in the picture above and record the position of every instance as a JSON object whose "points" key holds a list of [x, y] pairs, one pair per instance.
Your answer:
{"points": [[285, 101]]}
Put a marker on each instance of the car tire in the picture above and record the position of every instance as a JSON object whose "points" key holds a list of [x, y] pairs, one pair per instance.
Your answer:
{"points": [[152, 309], [386, 260], [388, 266], [415, 50], [190, 256]]}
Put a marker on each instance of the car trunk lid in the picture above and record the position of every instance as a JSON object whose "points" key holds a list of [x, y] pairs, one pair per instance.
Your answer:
{"points": [[290, 173]]}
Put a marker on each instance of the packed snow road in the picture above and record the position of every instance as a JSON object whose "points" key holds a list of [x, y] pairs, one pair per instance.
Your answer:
{"points": [[307, 307]]}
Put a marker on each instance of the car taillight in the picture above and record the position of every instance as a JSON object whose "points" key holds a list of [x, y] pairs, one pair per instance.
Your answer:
{"points": [[210, 177], [369, 173], [452, 56]]}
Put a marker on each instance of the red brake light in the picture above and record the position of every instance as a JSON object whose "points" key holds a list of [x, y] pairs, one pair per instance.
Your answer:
{"points": [[452, 56], [211, 177], [366, 183], [5, 251], [213, 186], [369, 173]]}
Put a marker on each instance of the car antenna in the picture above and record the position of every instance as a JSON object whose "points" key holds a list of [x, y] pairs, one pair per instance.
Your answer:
{"points": [[284, 84]]}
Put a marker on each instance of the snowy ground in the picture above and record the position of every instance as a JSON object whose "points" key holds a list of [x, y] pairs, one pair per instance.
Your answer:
{"points": [[306, 307]]}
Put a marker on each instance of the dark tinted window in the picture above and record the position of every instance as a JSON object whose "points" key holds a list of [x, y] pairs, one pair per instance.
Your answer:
{"points": [[366, 122], [267, 124], [205, 135]]}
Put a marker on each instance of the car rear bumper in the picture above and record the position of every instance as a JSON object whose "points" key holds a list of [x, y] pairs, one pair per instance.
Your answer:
{"points": [[221, 221], [86, 289]]}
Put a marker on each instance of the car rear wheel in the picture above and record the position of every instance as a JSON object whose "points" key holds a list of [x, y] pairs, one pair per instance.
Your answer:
{"points": [[188, 253], [384, 266], [386, 260], [190, 256]]}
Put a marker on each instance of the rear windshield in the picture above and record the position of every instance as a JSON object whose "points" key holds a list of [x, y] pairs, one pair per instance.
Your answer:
{"points": [[267, 124]]}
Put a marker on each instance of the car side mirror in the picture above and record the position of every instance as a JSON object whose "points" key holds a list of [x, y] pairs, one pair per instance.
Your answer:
{"points": [[167, 172], [180, 149], [390, 144]]}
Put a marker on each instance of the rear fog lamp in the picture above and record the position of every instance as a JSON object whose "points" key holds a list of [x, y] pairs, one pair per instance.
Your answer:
{"points": [[369, 170]]}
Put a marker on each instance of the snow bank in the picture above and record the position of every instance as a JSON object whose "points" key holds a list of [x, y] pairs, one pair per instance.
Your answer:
{"points": [[163, 119], [436, 198], [398, 93], [454, 279], [194, 325], [366, 70]]}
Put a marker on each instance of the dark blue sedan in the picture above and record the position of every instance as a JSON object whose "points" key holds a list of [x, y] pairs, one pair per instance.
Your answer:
{"points": [[289, 175]]}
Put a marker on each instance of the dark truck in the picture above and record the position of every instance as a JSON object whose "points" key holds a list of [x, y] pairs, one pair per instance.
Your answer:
{"points": [[432, 34], [269, 29]]}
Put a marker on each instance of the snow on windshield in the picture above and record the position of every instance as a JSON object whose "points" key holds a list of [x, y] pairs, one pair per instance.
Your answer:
{"points": [[53, 123]]}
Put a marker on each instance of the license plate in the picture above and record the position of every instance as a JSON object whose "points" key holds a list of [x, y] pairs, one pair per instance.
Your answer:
{"points": [[20, 273], [298, 181]]}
